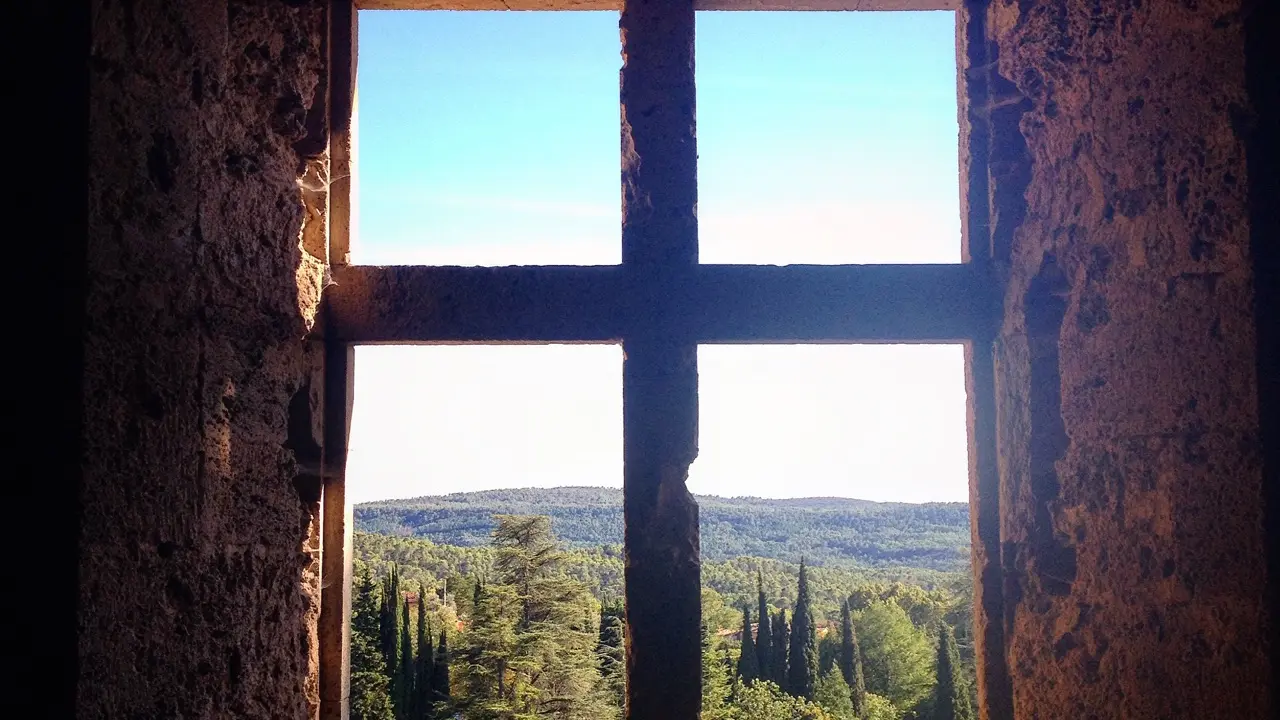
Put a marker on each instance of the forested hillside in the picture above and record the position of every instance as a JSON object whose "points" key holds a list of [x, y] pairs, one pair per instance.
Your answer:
{"points": [[830, 532], [441, 567], [520, 629]]}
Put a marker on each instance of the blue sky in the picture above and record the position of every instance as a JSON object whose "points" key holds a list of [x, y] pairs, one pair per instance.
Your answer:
{"points": [[493, 139]]}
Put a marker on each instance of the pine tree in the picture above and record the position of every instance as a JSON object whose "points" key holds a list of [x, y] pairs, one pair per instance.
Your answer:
{"points": [[898, 658], [526, 551], [802, 671], [425, 662], [748, 667], [851, 662], [370, 695], [610, 653], [402, 681], [781, 634], [764, 634], [492, 640], [951, 697], [832, 694], [554, 664], [715, 682], [440, 688]]}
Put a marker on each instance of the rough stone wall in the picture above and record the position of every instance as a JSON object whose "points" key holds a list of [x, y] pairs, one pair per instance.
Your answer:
{"points": [[1131, 497], [199, 586]]}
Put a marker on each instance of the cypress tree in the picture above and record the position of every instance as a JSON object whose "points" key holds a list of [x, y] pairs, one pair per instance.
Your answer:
{"points": [[851, 662], [389, 622], [748, 668], [425, 663], [764, 634], [802, 671], [402, 681], [778, 666], [951, 698], [370, 699], [440, 689]]}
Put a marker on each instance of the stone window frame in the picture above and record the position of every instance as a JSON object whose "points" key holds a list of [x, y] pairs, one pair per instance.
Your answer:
{"points": [[660, 304]]}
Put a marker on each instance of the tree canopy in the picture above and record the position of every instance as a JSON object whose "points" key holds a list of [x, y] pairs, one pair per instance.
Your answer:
{"points": [[828, 531], [530, 629]]}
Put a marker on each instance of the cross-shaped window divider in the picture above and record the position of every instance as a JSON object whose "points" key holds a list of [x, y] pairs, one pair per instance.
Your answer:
{"points": [[660, 303]]}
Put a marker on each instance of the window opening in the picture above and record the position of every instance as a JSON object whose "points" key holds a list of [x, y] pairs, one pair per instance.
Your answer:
{"points": [[884, 423], [853, 461], [660, 304], [487, 482], [443, 419], [827, 138], [488, 138]]}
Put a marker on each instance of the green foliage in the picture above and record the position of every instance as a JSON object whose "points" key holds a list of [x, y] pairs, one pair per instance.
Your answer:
{"points": [[898, 656], [828, 531], [402, 681], [531, 646], [781, 639], [370, 696], [541, 634], [370, 686], [802, 666], [879, 708], [716, 613], [951, 697], [424, 664], [851, 662], [925, 606], [828, 652], [763, 700], [832, 694], [739, 581], [490, 644], [716, 685], [764, 633], [441, 690], [748, 666], [610, 654], [389, 623]]}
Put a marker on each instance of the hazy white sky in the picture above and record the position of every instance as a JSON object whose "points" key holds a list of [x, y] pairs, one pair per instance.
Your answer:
{"points": [[878, 422], [492, 139]]}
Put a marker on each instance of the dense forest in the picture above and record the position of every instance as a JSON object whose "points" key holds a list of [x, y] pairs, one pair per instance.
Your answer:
{"points": [[827, 531], [524, 628]]}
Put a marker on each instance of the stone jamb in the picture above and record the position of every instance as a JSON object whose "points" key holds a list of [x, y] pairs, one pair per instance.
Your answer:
{"points": [[339, 373]]}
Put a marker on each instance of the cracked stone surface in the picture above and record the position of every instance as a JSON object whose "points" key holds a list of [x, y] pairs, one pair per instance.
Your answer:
{"points": [[1131, 491], [199, 559]]}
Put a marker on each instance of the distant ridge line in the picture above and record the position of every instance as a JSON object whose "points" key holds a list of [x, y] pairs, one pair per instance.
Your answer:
{"points": [[825, 530], [468, 494]]}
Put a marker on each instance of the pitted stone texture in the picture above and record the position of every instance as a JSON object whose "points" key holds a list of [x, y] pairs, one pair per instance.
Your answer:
{"points": [[199, 580], [1132, 481]]}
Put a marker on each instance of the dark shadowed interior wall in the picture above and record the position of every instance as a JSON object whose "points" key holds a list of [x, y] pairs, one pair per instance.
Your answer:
{"points": [[199, 545]]}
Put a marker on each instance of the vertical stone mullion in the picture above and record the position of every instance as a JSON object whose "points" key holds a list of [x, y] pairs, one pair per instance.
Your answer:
{"points": [[659, 152], [660, 381], [663, 573]]}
